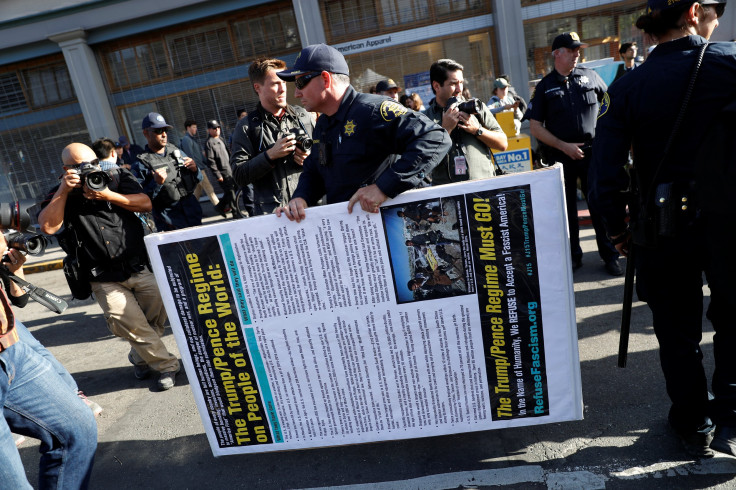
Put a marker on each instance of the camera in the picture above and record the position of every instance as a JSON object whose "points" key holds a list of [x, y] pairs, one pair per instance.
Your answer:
{"points": [[179, 159], [92, 175], [302, 139], [472, 106], [15, 214], [31, 243]]}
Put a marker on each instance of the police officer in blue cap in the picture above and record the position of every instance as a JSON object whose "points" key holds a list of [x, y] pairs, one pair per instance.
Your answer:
{"points": [[367, 148], [561, 114], [693, 233]]}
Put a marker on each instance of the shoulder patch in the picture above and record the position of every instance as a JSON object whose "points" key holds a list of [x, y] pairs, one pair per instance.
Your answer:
{"points": [[391, 110], [605, 104]]}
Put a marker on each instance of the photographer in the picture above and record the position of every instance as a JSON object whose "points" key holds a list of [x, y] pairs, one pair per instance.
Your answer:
{"points": [[168, 177], [265, 151], [473, 135], [38, 402], [102, 231]]}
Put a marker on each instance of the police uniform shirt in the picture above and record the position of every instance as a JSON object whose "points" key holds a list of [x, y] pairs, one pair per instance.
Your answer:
{"points": [[639, 111], [350, 146], [568, 105]]}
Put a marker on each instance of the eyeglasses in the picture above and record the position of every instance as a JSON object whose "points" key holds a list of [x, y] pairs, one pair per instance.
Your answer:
{"points": [[719, 8], [302, 82]]}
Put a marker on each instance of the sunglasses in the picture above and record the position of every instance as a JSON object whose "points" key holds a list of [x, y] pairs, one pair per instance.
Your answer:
{"points": [[302, 82], [159, 130]]}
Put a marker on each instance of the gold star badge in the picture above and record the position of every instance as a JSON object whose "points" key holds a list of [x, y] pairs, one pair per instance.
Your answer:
{"points": [[349, 128]]}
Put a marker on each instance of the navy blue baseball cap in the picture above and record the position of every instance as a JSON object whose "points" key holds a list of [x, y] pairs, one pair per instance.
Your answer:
{"points": [[316, 58], [154, 120], [666, 4], [569, 40]]}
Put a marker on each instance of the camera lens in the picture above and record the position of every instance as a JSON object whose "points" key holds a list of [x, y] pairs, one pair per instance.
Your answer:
{"points": [[97, 181]]}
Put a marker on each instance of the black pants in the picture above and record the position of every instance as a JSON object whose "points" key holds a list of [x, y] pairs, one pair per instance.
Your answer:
{"points": [[574, 169], [228, 198], [670, 279]]}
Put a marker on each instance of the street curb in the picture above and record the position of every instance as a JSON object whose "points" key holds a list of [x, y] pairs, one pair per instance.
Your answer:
{"points": [[49, 265]]}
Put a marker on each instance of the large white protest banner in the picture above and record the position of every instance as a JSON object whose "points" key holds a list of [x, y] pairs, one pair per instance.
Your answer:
{"points": [[449, 311]]}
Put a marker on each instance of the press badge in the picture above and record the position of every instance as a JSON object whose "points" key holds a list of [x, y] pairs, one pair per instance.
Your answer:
{"points": [[461, 166]]}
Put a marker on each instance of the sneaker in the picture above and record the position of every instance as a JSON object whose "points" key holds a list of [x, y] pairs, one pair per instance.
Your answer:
{"points": [[724, 440], [19, 439], [94, 406], [614, 268], [167, 380], [141, 371], [697, 442]]}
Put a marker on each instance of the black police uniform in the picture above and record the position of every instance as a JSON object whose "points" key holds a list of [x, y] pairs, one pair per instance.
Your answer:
{"points": [[351, 145], [567, 106], [639, 111]]}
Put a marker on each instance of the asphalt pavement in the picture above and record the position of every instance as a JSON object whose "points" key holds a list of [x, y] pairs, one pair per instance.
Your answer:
{"points": [[150, 439]]}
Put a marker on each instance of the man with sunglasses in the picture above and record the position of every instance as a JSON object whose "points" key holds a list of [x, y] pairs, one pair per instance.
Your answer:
{"points": [[169, 177], [367, 148], [110, 251], [265, 152]]}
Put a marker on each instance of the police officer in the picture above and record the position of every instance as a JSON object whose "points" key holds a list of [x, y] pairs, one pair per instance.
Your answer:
{"points": [[168, 176], [562, 114], [354, 138], [639, 111]]}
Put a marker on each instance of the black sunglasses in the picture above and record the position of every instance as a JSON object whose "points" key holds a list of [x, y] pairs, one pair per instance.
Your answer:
{"points": [[160, 130], [302, 82]]}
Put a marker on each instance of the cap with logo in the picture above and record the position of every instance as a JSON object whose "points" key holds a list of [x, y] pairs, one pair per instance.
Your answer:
{"points": [[569, 40], [316, 58], [213, 124], [387, 84], [154, 120], [666, 4]]}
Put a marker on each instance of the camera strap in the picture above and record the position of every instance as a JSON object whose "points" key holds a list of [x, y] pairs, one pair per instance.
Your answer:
{"points": [[40, 295]]}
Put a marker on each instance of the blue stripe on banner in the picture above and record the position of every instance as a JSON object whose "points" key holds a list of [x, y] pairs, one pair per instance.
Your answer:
{"points": [[235, 279], [266, 396], [250, 339]]}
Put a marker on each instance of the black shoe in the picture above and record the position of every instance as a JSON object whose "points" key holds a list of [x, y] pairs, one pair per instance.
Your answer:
{"points": [[614, 268], [220, 210], [697, 442], [724, 440], [141, 371], [577, 263]]}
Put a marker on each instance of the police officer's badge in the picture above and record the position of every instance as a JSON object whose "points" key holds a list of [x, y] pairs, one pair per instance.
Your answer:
{"points": [[605, 104], [391, 110], [584, 79], [349, 128]]}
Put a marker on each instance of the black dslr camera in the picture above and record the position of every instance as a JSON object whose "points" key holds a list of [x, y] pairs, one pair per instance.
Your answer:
{"points": [[15, 216], [302, 139], [92, 175], [472, 106]]}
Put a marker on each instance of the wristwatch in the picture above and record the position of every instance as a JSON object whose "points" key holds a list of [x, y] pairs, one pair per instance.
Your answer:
{"points": [[479, 132]]}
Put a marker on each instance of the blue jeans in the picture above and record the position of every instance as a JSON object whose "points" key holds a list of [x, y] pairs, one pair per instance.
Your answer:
{"points": [[25, 336], [37, 402]]}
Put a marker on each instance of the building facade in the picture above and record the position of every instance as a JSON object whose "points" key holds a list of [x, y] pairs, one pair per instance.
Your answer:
{"points": [[80, 69]]}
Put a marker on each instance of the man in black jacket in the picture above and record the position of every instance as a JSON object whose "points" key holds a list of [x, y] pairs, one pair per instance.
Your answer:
{"points": [[218, 160], [266, 152], [108, 239]]}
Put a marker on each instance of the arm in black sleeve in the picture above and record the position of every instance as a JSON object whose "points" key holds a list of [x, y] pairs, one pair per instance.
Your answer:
{"points": [[311, 186], [607, 176], [247, 166], [421, 143]]}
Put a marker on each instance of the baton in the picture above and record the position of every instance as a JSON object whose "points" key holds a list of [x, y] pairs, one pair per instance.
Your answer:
{"points": [[623, 344]]}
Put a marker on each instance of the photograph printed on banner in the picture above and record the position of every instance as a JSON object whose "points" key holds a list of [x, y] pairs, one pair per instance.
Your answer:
{"points": [[429, 249]]}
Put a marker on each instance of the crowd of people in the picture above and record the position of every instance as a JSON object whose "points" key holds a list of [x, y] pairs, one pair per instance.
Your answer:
{"points": [[286, 159]]}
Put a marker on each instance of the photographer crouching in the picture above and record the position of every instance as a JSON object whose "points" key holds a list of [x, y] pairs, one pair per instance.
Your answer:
{"points": [[105, 237]]}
